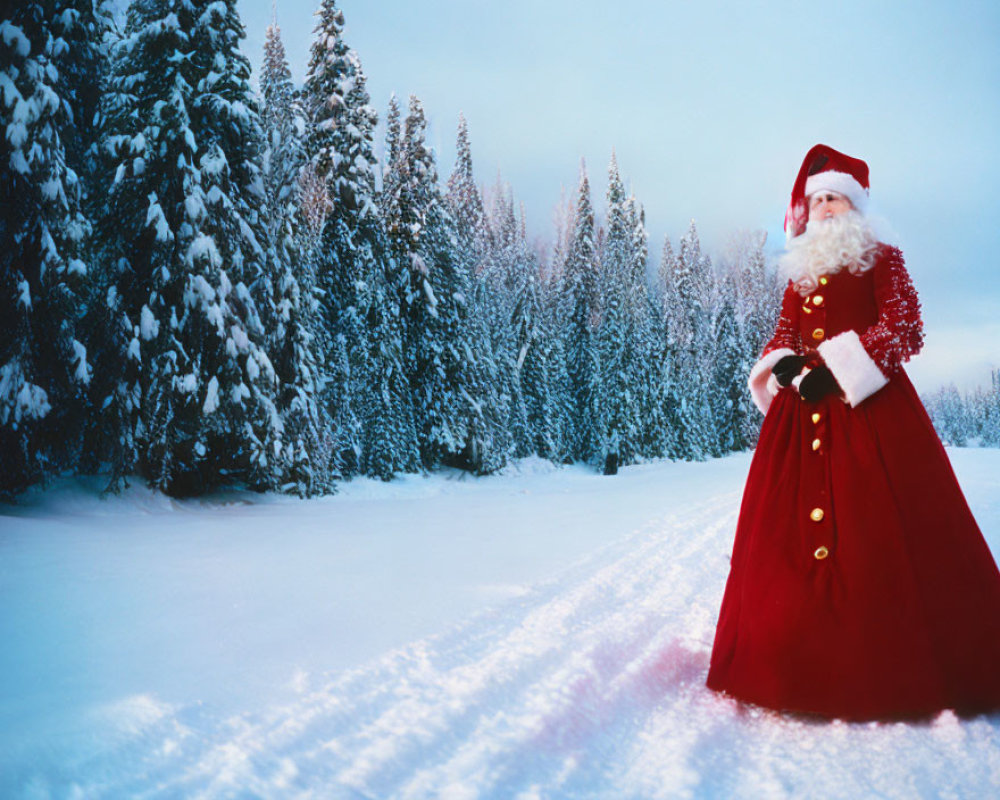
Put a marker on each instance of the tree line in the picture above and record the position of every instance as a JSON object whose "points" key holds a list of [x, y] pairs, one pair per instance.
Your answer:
{"points": [[967, 418], [204, 285]]}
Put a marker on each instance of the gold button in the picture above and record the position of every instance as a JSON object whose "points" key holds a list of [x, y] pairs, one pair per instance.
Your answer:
{"points": [[820, 553], [816, 444], [816, 417], [818, 333], [818, 300], [823, 281], [806, 310], [816, 515]]}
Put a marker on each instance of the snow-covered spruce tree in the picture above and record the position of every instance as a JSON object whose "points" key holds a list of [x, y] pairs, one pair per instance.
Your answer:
{"points": [[87, 28], [488, 442], [510, 275], [950, 416], [101, 28], [758, 299], [43, 233], [391, 174], [390, 445], [546, 380], [463, 198], [578, 316], [543, 377], [227, 116], [666, 439], [616, 341], [435, 301], [982, 413], [689, 330], [563, 218], [533, 354], [644, 366], [677, 355], [728, 384], [181, 253], [292, 244], [991, 412], [341, 148], [390, 434], [532, 339], [115, 390]]}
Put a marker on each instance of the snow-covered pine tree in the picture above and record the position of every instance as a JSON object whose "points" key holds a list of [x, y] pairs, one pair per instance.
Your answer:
{"points": [[389, 429], [341, 148], [563, 218], [226, 117], [690, 323], [578, 316], [644, 376], [88, 29], [667, 440], [689, 311], [435, 301], [391, 174], [616, 334], [758, 298], [390, 445], [385, 408], [543, 422], [292, 244], [489, 440], [463, 198], [181, 255], [728, 383], [99, 29], [511, 276], [979, 405], [950, 416], [284, 124], [991, 412], [43, 232], [545, 377]]}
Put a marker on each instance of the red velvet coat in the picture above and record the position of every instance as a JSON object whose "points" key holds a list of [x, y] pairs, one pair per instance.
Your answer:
{"points": [[860, 585]]}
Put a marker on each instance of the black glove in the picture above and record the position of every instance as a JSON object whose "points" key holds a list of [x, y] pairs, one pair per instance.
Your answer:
{"points": [[787, 368], [817, 384]]}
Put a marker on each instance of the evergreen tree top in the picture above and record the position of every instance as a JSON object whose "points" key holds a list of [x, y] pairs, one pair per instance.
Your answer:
{"points": [[392, 133], [276, 77], [582, 249], [463, 196], [580, 293], [618, 234], [342, 120], [418, 156]]}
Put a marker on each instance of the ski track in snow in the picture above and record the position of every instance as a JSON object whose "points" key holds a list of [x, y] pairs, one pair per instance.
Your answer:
{"points": [[589, 685]]}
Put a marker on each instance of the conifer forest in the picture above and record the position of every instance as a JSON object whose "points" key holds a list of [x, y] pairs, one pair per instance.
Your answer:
{"points": [[207, 284]]}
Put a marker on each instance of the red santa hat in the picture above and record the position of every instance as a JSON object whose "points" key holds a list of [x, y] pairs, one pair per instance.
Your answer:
{"points": [[825, 169]]}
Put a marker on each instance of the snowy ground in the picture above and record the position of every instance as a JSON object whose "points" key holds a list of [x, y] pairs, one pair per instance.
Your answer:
{"points": [[540, 634]]}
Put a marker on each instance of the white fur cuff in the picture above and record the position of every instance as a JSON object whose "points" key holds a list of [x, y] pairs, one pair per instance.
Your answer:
{"points": [[762, 388], [853, 368]]}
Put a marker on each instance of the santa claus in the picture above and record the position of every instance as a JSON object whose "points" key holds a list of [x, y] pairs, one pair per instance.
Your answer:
{"points": [[860, 585]]}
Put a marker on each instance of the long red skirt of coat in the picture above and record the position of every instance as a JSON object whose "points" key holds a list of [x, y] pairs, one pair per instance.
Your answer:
{"points": [[902, 617]]}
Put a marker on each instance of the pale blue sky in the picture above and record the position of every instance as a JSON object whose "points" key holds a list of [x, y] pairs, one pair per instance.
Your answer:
{"points": [[710, 108]]}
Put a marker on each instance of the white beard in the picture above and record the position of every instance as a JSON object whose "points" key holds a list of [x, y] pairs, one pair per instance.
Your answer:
{"points": [[826, 247]]}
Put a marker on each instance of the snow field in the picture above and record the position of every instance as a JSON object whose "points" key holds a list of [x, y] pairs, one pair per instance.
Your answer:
{"points": [[586, 682]]}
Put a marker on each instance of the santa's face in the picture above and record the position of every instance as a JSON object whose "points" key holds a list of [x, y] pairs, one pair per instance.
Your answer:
{"points": [[825, 204]]}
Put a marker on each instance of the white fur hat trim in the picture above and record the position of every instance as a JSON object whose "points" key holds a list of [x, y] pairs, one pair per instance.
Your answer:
{"points": [[841, 183]]}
